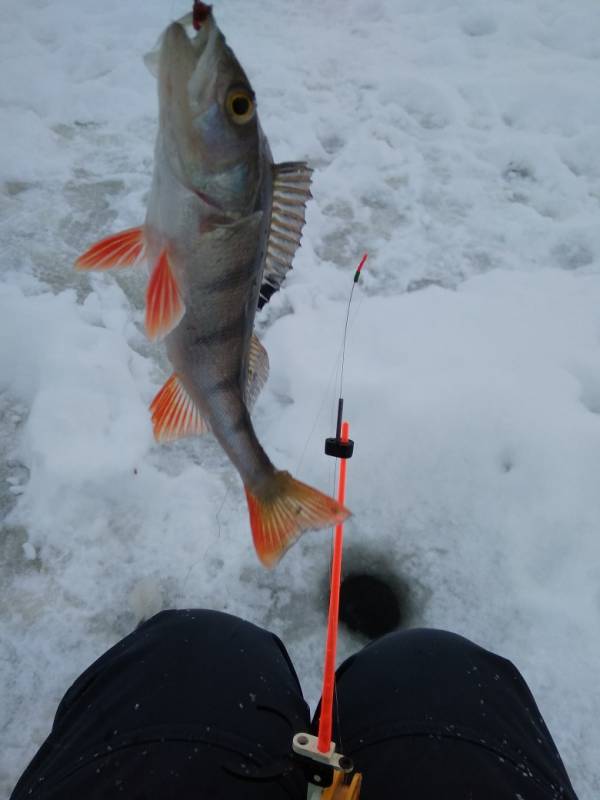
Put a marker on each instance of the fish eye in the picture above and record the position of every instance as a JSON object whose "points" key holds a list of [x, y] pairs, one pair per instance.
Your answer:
{"points": [[240, 106]]}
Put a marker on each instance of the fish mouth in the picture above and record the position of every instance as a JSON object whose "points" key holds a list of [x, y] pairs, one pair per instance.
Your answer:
{"points": [[200, 14], [196, 25]]}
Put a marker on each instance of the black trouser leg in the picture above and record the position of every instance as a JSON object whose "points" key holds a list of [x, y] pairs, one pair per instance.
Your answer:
{"points": [[428, 715], [193, 704]]}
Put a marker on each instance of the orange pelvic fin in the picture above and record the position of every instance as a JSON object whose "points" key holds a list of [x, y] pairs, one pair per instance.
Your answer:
{"points": [[174, 413], [122, 249], [164, 307], [284, 509]]}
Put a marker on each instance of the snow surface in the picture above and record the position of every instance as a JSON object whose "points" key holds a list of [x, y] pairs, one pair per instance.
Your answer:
{"points": [[456, 142]]}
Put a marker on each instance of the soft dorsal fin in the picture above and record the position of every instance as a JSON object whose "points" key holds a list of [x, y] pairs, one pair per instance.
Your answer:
{"points": [[123, 249], [164, 306], [174, 413], [291, 191], [258, 371]]}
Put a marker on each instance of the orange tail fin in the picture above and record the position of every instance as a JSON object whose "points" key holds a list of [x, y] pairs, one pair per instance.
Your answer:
{"points": [[284, 510], [122, 249]]}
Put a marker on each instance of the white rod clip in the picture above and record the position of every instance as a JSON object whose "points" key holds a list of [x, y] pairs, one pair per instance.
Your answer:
{"points": [[304, 744]]}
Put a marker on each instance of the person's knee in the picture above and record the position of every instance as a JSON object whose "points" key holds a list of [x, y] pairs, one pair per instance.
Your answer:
{"points": [[194, 619], [213, 637], [428, 641], [426, 647]]}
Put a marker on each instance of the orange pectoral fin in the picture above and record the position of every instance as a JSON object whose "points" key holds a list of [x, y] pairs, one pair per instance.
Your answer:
{"points": [[164, 306], [174, 413], [122, 249]]}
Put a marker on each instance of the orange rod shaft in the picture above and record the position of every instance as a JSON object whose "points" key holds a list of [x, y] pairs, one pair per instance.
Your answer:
{"points": [[326, 718]]}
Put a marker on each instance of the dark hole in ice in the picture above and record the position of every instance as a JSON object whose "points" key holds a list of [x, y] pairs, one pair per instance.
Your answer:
{"points": [[370, 605]]}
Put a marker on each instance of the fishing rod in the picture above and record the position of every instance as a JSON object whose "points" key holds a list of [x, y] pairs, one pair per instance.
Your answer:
{"points": [[324, 766]]}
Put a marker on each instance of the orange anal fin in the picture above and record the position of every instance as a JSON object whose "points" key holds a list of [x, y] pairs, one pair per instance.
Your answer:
{"points": [[284, 510], [164, 306], [174, 413], [122, 249]]}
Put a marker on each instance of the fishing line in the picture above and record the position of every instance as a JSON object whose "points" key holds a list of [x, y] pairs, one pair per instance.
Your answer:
{"points": [[340, 356], [202, 559], [354, 282], [329, 391], [218, 516]]}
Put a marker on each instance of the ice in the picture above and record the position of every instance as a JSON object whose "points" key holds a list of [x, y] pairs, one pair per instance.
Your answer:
{"points": [[456, 143]]}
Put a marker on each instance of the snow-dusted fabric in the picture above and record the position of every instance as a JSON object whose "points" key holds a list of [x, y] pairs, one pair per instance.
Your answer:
{"points": [[198, 704], [193, 704], [427, 714]]}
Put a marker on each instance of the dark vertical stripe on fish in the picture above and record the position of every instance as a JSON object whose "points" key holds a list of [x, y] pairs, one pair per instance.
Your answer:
{"points": [[242, 423], [225, 385], [231, 280], [232, 330]]}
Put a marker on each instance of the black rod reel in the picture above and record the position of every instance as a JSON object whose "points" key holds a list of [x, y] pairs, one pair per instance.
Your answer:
{"points": [[336, 446]]}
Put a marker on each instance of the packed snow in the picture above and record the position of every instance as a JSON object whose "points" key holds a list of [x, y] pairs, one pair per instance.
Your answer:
{"points": [[457, 143]]}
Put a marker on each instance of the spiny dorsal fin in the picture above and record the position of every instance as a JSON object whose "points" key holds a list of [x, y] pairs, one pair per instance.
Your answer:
{"points": [[258, 371], [291, 190], [174, 413]]}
